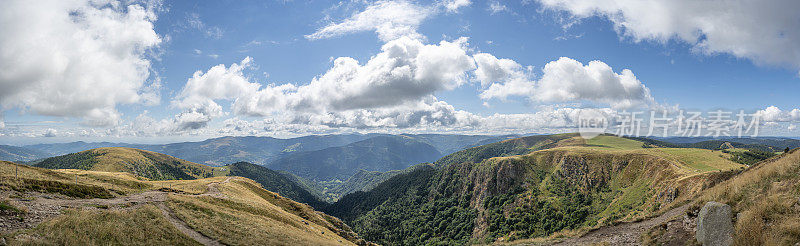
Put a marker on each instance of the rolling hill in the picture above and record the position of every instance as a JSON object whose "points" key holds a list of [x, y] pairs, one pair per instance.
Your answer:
{"points": [[374, 154], [146, 164], [531, 187], [156, 166], [51, 207], [275, 182]]}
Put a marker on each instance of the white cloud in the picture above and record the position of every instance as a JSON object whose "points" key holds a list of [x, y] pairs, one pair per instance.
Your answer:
{"points": [[763, 31], [75, 58], [504, 77], [775, 114], [563, 80], [454, 5], [198, 96], [389, 19], [50, 132], [569, 80], [497, 7], [792, 127], [394, 88]]}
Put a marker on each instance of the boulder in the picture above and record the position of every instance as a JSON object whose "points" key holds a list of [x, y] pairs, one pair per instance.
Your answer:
{"points": [[714, 226]]}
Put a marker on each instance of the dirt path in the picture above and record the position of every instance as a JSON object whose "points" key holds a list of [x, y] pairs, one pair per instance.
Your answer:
{"points": [[183, 227], [41, 207], [625, 233]]}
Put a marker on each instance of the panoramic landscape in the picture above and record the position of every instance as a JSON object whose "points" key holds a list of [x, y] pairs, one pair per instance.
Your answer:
{"points": [[400, 122]]}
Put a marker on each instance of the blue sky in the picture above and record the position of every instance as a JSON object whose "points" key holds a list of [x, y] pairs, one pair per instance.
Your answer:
{"points": [[274, 43]]}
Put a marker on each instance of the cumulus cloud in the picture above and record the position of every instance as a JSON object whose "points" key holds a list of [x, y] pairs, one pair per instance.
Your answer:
{"points": [[50, 132], [564, 80], [763, 31], [389, 19], [775, 114], [504, 77], [393, 88], [219, 82], [75, 58]]}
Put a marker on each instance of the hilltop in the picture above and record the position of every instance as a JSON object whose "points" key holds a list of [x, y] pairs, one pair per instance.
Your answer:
{"points": [[156, 166], [146, 164], [41, 206]]}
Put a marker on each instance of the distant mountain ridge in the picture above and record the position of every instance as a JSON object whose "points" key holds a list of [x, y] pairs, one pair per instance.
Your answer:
{"points": [[382, 154], [257, 150], [220, 151], [20, 154]]}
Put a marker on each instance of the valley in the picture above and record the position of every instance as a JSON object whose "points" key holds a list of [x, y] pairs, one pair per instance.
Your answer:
{"points": [[539, 189]]}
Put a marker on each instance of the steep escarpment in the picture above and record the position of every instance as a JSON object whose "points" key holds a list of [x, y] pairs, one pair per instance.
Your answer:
{"points": [[476, 198]]}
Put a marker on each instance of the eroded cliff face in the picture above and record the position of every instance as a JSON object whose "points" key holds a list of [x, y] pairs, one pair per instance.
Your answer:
{"points": [[621, 186]]}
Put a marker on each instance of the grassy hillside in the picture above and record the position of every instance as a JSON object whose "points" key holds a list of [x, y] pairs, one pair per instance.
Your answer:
{"points": [[155, 166], [764, 199], [374, 154], [142, 163], [55, 209], [509, 147], [274, 181], [538, 186]]}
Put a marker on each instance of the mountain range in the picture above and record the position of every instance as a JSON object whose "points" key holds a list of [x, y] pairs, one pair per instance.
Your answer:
{"points": [[542, 188]]}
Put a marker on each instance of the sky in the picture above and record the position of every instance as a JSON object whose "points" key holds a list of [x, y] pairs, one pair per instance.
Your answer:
{"points": [[170, 71]]}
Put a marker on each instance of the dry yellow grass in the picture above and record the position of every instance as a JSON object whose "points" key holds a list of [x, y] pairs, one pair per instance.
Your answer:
{"points": [[139, 226], [765, 197], [249, 218], [235, 212], [142, 163]]}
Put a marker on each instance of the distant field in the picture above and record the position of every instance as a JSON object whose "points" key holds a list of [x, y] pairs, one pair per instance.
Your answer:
{"points": [[614, 142], [696, 160], [701, 159]]}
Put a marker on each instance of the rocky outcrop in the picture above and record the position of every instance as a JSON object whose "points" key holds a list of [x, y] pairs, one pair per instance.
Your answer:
{"points": [[714, 226]]}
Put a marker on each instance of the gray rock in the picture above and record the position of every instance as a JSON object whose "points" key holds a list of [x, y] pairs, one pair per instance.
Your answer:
{"points": [[714, 227]]}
